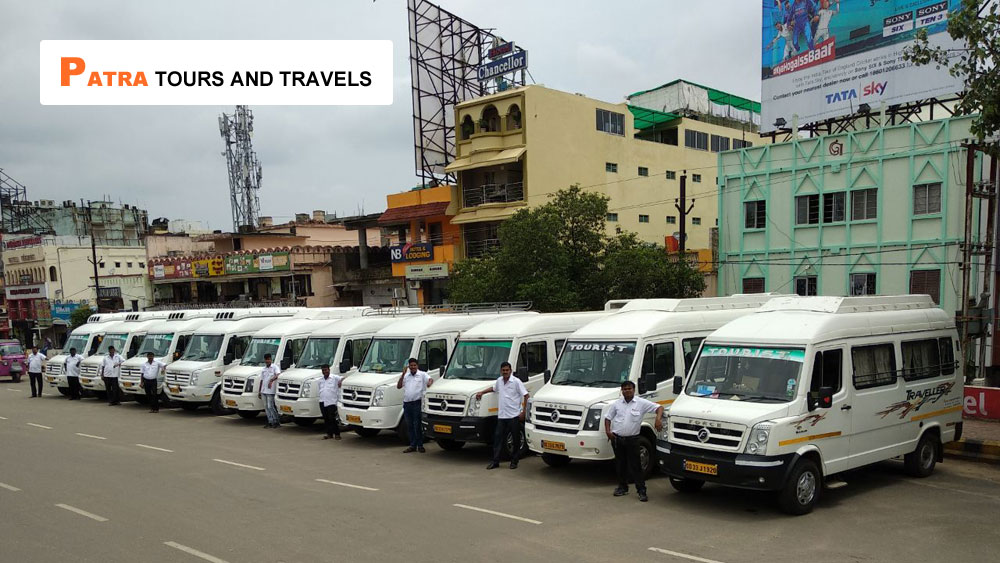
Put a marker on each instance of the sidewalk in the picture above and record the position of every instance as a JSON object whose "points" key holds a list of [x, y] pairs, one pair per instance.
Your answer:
{"points": [[980, 442]]}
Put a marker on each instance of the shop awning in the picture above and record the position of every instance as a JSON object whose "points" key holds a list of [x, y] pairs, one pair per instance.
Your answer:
{"points": [[509, 155], [406, 214]]}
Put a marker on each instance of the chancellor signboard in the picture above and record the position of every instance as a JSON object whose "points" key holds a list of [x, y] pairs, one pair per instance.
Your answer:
{"points": [[412, 252], [499, 67], [823, 59]]}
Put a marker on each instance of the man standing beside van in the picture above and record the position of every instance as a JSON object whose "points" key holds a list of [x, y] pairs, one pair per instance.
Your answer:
{"points": [[268, 387], [329, 394], [622, 424], [151, 370], [73, 374], [414, 383], [111, 368], [35, 360], [511, 406]]}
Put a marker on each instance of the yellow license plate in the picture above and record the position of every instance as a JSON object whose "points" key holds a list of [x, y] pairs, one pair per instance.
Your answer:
{"points": [[84, 380], [51, 379], [175, 389], [557, 446], [230, 403], [126, 384], [704, 468], [285, 408], [354, 418], [442, 428]]}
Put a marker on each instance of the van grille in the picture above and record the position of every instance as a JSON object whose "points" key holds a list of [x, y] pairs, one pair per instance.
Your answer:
{"points": [[356, 397], [54, 369], [234, 385], [557, 418], [288, 389], [178, 378], [723, 436], [131, 374], [89, 371], [453, 405]]}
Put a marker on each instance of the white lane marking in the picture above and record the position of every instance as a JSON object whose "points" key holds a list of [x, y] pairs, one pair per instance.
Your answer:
{"points": [[495, 513], [9, 487], [155, 448], [15, 390], [943, 488], [3, 418], [195, 552], [91, 436], [38, 425], [239, 464], [346, 485], [82, 512], [683, 555]]}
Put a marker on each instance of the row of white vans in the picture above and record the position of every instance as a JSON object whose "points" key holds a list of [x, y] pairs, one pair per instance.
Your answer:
{"points": [[781, 393]]}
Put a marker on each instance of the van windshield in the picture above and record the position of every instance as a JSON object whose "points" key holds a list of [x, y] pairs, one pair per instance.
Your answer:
{"points": [[258, 348], [318, 352], [76, 341], [387, 355], [746, 373], [594, 364], [11, 349], [116, 340], [158, 344], [478, 360], [203, 347]]}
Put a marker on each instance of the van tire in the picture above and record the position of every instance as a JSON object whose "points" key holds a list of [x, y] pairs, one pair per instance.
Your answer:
{"points": [[647, 457], [248, 414], [367, 432], [801, 491], [555, 460], [921, 461], [448, 444], [216, 404], [686, 485], [64, 391], [189, 406], [303, 422]]}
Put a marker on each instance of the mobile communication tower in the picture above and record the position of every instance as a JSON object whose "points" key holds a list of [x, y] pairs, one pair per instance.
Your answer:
{"points": [[244, 168]]}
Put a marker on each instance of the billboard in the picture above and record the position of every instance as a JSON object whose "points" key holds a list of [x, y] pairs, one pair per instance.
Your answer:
{"points": [[412, 252], [256, 263], [822, 59]]}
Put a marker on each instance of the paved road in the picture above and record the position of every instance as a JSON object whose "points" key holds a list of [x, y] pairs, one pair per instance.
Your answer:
{"points": [[75, 484]]}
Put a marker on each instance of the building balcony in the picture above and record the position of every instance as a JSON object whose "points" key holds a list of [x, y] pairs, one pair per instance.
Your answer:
{"points": [[474, 196], [477, 248]]}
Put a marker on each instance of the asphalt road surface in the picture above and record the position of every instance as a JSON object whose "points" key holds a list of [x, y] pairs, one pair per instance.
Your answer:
{"points": [[81, 481]]}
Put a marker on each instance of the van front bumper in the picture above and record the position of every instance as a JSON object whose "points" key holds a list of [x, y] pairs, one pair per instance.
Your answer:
{"points": [[189, 394], [460, 429], [745, 471], [243, 402], [92, 382], [372, 417], [584, 444], [53, 380], [303, 407]]}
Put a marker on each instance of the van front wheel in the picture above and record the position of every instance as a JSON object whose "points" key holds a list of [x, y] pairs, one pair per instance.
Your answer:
{"points": [[802, 489], [921, 461]]}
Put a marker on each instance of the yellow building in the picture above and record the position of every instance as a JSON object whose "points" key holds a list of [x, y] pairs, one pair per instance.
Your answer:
{"points": [[516, 148]]}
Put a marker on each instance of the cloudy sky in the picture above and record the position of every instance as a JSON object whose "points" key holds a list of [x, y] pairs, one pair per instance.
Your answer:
{"points": [[341, 159]]}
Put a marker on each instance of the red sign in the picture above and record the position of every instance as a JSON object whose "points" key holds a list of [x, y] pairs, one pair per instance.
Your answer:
{"points": [[982, 402], [11, 244]]}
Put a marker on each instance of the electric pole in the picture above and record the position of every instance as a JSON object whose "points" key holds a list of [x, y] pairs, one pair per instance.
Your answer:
{"points": [[93, 257], [683, 209]]}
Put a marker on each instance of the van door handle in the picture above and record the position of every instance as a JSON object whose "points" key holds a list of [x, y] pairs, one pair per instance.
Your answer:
{"points": [[845, 408]]}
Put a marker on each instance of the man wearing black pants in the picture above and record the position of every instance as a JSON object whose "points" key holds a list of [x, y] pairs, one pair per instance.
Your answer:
{"points": [[110, 370], [622, 424], [329, 394], [73, 374], [510, 414], [34, 361], [150, 372]]}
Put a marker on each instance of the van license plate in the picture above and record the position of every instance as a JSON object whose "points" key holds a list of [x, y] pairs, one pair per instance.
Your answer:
{"points": [[442, 428], [286, 408], [84, 380], [51, 379], [126, 384], [175, 389], [557, 446], [230, 403], [354, 418], [704, 468]]}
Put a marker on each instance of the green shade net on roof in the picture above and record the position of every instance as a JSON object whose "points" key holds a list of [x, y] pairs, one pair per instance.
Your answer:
{"points": [[714, 96], [646, 118]]}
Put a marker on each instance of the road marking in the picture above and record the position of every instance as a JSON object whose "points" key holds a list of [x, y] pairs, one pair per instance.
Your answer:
{"points": [[38, 425], [9, 487], [91, 436], [346, 485], [15, 390], [194, 552], [155, 448], [239, 464], [943, 488], [82, 512], [495, 513], [3, 418], [683, 555]]}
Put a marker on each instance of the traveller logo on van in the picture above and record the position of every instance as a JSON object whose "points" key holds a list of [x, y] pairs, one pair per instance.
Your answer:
{"points": [[810, 421], [918, 398], [704, 435]]}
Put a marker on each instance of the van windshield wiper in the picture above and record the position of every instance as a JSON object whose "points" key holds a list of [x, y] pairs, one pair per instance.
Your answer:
{"points": [[759, 398], [571, 382]]}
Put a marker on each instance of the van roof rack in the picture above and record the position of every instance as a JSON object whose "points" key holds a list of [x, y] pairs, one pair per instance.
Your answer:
{"points": [[843, 305], [494, 307], [739, 301]]}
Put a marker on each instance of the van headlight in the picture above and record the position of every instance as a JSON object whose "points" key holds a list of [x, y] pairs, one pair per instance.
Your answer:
{"points": [[757, 444], [248, 387], [307, 389], [474, 405], [379, 396], [193, 382], [593, 420]]}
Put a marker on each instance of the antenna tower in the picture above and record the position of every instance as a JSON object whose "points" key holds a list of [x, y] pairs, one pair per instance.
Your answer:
{"points": [[244, 168]]}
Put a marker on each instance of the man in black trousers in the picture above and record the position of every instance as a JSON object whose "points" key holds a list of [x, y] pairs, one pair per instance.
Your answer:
{"points": [[622, 424]]}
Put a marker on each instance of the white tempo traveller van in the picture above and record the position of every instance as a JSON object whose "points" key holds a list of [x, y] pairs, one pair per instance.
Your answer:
{"points": [[647, 342], [86, 339], [810, 387], [126, 336], [452, 414]]}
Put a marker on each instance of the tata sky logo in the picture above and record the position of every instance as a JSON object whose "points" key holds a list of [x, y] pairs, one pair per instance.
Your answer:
{"points": [[872, 89]]}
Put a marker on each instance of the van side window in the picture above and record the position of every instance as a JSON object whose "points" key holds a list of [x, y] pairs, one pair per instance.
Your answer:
{"points": [[874, 366], [559, 347], [433, 354], [828, 370], [947, 356], [182, 344], [133, 348], [534, 356], [95, 345], [690, 346], [921, 359], [659, 359], [293, 350], [355, 350]]}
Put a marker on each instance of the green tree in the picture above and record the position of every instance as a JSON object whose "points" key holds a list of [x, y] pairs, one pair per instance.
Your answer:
{"points": [[977, 24], [79, 316], [634, 269]]}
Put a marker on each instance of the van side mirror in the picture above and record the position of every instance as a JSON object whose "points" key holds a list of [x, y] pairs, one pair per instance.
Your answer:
{"points": [[822, 399], [285, 363], [228, 358], [345, 366], [678, 384], [547, 376], [522, 373], [422, 366], [647, 383]]}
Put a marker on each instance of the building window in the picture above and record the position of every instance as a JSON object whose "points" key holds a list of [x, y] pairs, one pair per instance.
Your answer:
{"points": [[643, 218], [864, 204], [720, 144], [53, 276], [807, 210], [834, 207], [671, 175], [862, 284], [128, 264], [741, 144], [142, 264], [643, 171], [671, 219], [696, 220], [468, 127], [696, 178], [927, 199], [101, 264], [118, 264], [695, 139], [926, 282], [805, 285], [514, 118], [753, 285], [666, 136], [755, 214], [490, 121], [611, 167], [611, 122], [613, 217]]}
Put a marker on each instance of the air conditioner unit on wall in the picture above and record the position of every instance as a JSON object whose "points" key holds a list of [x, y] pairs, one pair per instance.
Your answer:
{"points": [[413, 284]]}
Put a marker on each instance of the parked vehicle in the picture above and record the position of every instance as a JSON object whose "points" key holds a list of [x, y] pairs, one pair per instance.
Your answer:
{"points": [[285, 341], [452, 414], [195, 379], [86, 339], [788, 398], [647, 342], [370, 401], [12, 357], [126, 336]]}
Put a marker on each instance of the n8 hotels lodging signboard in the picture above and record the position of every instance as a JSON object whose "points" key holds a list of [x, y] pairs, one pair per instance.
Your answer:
{"points": [[823, 58]]}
